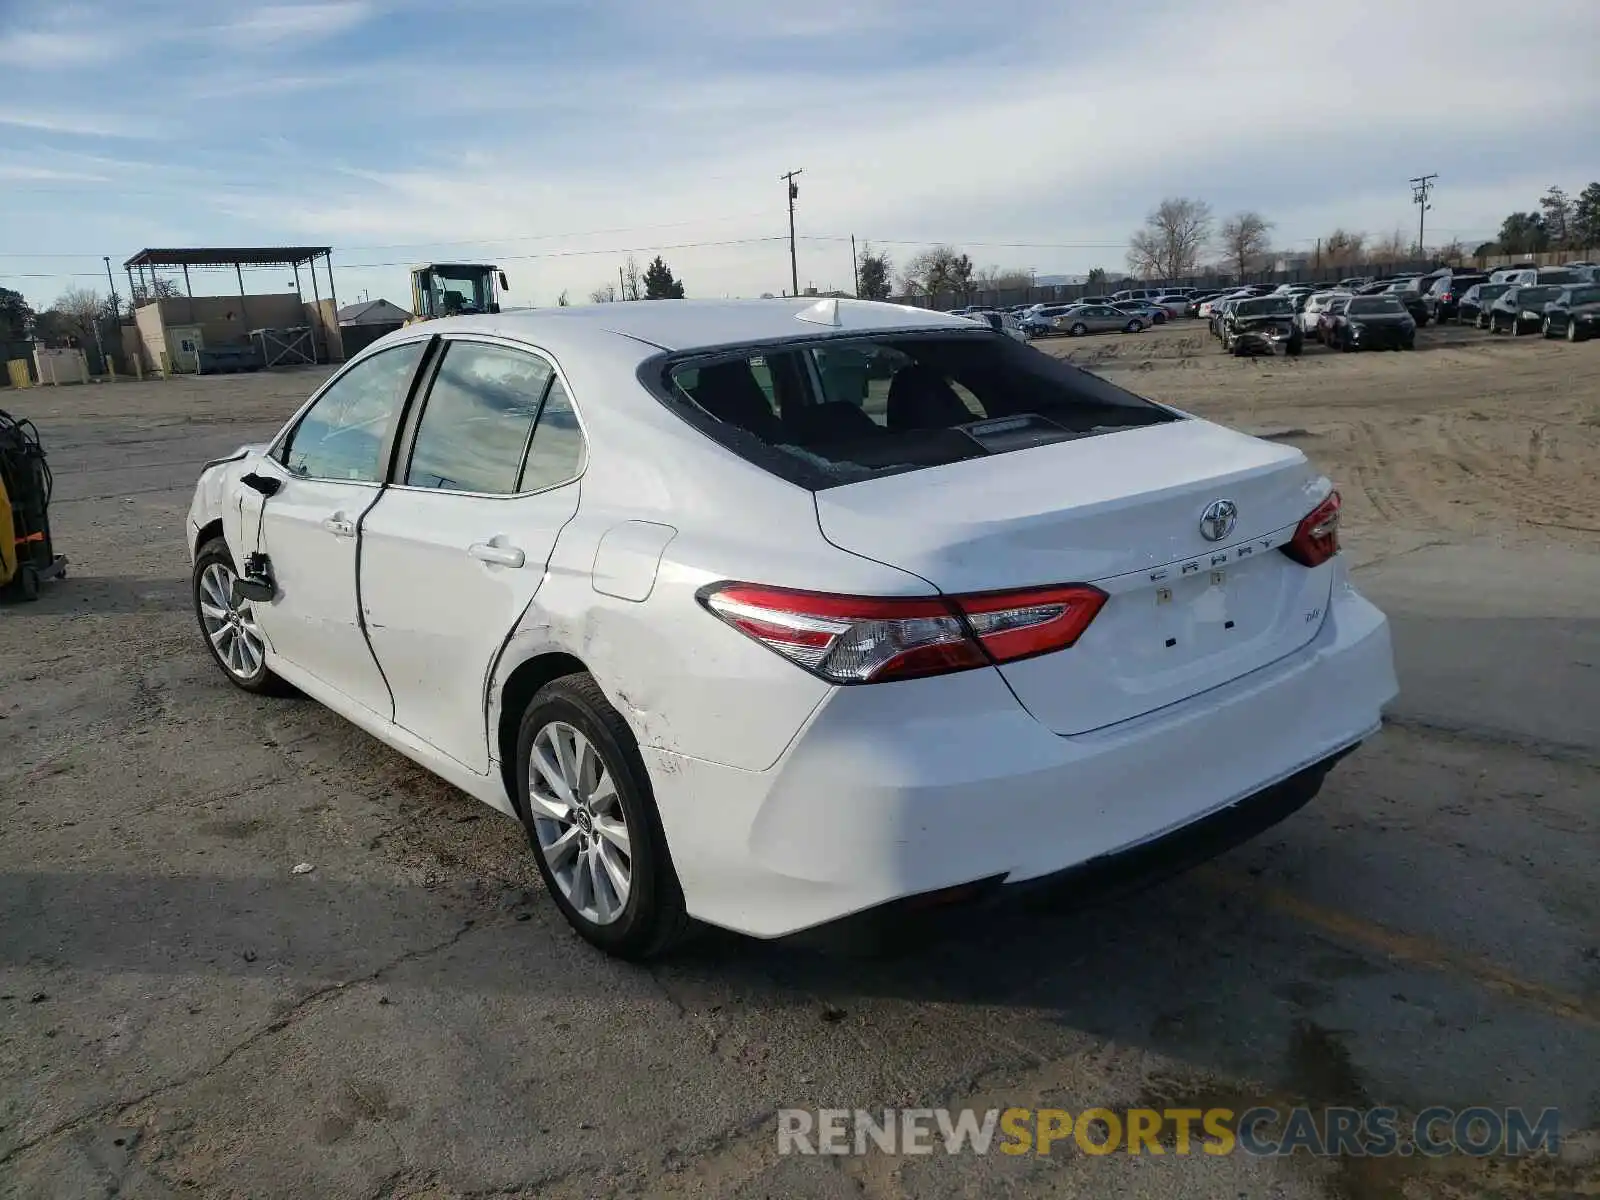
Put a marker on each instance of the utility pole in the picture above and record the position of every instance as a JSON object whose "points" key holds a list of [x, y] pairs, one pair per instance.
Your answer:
{"points": [[855, 270], [794, 265], [1420, 187], [116, 308]]}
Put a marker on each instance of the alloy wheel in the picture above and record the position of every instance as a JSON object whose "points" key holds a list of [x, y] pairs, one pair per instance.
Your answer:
{"points": [[579, 822], [231, 627]]}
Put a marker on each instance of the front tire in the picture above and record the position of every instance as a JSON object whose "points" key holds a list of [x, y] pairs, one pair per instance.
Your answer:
{"points": [[1573, 335], [1516, 326], [232, 635], [1078, 330], [585, 799], [1133, 326]]}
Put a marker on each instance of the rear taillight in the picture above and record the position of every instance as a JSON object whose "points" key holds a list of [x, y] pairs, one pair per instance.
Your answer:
{"points": [[1316, 539], [871, 639]]}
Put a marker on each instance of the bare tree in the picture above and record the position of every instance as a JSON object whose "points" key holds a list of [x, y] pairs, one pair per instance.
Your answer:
{"points": [[1245, 240], [604, 295], [1002, 279], [1343, 247], [159, 289], [1172, 239], [632, 288], [82, 309], [1391, 248]]}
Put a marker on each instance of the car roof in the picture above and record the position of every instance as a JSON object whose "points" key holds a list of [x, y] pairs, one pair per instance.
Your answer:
{"points": [[695, 324]]}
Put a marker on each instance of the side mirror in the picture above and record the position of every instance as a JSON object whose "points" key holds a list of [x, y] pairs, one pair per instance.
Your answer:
{"points": [[504, 286], [264, 484]]}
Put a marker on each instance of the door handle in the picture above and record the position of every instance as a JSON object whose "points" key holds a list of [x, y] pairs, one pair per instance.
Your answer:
{"points": [[505, 556], [339, 526]]}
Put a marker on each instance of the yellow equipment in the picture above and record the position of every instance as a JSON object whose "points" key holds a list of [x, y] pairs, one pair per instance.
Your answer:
{"points": [[27, 555], [455, 290]]}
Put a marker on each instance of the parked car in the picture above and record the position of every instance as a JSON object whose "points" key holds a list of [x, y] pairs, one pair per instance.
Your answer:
{"points": [[1208, 309], [503, 603], [1328, 320], [1405, 290], [1444, 297], [1260, 325], [1520, 308], [1134, 294], [1354, 282], [1098, 318], [1001, 322], [1149, 311], [1041, 322], [1473, 307], [1575, 313], [1316, 304], [1373, 323], [1219, 310], [1504, 274]]}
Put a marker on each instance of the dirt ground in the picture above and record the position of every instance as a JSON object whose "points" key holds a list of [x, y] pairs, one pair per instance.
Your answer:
{"points": [[181, 1014]]}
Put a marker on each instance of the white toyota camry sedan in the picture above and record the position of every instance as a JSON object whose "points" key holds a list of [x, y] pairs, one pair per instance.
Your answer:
{"points": [[785, 616]]}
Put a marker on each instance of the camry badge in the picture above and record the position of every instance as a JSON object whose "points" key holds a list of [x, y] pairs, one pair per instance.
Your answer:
{"points": [[1218, 520]]}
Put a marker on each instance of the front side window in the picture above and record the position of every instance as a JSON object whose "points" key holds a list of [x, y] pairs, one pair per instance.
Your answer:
{"points": [[480, 411], [851, 408], [341, 436]]}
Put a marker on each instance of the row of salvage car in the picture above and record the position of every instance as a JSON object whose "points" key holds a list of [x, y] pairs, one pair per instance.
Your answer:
{"points": [[1358, 314]]}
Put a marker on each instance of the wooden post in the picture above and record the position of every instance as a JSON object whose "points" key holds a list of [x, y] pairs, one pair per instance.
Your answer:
{"points": [[316, 310], [333, 299]]}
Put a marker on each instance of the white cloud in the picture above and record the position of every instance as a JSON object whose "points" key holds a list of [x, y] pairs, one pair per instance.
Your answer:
{"points": [[277, 22], [38, 50]]}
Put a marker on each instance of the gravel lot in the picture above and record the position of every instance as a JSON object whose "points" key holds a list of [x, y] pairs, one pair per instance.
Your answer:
{"points": [[179, 1014]]}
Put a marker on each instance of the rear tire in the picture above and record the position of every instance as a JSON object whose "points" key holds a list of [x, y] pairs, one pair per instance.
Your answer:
{"points": [[652, 918]]}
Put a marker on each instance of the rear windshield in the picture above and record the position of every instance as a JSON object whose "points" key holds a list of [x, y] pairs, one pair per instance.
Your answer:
{"points": [[1267, 306], [1372, 305], [826, 412], [1537, 295]]}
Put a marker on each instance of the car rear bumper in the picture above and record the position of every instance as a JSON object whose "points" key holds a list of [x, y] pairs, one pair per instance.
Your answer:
{"points": [[898, 790]]}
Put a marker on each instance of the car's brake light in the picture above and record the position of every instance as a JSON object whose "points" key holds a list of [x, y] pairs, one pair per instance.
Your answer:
{"points": [[874, 639], [1316, 539]]}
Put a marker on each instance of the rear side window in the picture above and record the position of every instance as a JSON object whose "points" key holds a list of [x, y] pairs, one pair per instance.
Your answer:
{"points": [[476, 422], [843, 409], [557, 451]]}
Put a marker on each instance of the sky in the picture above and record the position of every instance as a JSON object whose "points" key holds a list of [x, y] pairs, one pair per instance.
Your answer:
{"points": [[553, 137]]}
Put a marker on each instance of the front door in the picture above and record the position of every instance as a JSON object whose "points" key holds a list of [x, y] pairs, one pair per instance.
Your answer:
{"points": [[453, 553], [331, 465]]}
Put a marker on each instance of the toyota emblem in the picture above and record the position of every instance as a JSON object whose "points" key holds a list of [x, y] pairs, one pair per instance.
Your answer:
{"points": [[1218, 520]]}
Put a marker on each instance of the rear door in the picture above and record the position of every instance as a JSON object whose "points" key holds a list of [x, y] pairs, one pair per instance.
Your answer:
{"points": [[454, 552]]}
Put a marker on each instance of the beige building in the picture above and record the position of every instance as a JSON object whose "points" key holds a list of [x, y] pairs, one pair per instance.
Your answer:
{"points": [[189, 334]]}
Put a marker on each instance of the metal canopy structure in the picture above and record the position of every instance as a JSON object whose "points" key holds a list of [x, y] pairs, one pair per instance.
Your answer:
{"points": [[230, 256], [148, 261]]}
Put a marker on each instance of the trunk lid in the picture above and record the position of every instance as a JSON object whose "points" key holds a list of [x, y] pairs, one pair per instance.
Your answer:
{"points": [[1123, 511]]}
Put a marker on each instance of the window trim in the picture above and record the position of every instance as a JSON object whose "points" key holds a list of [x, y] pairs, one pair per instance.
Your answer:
{"points": [[283, 439], [405, 441]]}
